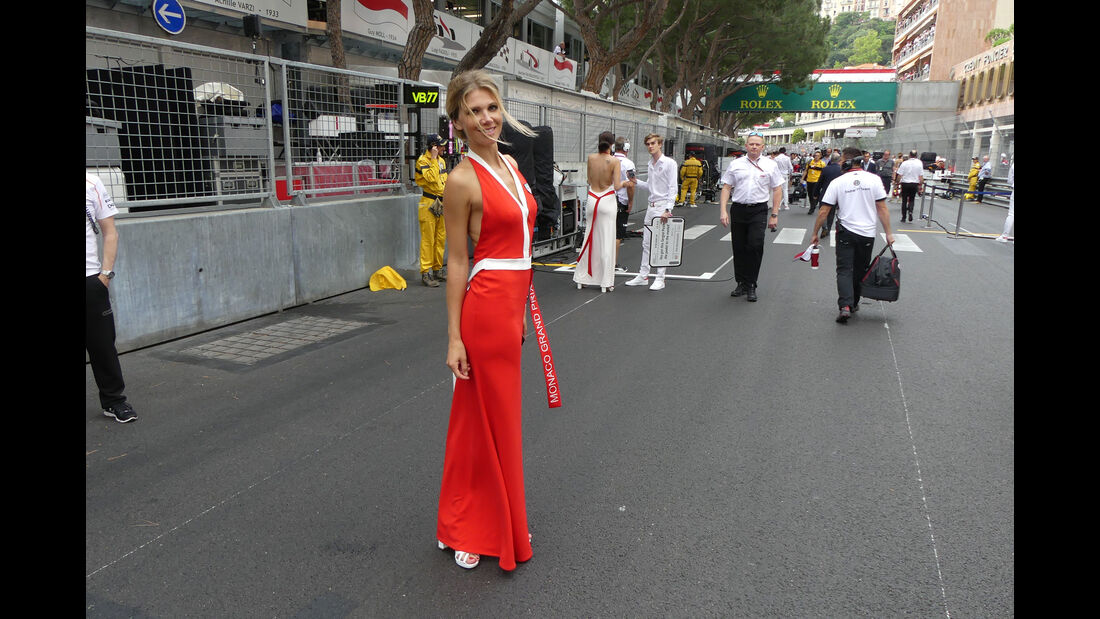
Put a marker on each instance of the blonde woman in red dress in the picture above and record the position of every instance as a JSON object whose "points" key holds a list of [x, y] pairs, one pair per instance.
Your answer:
{"points": [[482, 506]]}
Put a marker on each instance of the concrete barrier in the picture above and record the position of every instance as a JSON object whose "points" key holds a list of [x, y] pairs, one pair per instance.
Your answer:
{"points": [[183, 274]]}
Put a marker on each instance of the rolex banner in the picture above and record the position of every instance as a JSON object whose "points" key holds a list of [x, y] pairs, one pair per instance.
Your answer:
{"points": [[824, 96]]}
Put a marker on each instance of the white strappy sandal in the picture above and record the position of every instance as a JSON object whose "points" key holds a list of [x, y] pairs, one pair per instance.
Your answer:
{"points": [[462, 558]]}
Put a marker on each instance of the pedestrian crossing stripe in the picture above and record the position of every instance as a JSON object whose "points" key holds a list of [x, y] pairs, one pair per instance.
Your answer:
{"points": [[902, 242], [790, 236], [797, 236], [696, 231]]}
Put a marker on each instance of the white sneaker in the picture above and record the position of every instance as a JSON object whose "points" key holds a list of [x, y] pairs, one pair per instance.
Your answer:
{"points": [[1002, 239], [658, 283], [637, 281]]}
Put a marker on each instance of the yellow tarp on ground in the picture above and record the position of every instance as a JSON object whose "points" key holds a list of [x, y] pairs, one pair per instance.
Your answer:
{"points": [[385, 278]]}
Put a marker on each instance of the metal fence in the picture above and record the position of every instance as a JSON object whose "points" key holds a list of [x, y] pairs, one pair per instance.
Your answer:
{"points": [[173, 126], [955, 139], [178, 126], [576, 133]]}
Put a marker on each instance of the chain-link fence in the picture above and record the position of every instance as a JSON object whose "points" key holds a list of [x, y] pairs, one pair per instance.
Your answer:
{"points": [[954, 139], [173, 125]]}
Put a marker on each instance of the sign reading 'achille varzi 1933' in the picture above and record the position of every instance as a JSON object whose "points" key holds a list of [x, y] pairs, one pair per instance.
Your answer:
{"points": [[823, 97]]}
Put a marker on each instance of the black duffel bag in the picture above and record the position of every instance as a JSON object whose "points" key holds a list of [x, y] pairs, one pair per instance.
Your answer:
{"points": [[883, 279]]}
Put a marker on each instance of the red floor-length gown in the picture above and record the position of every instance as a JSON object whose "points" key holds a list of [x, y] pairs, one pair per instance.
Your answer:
{"points": [[482, 508]]}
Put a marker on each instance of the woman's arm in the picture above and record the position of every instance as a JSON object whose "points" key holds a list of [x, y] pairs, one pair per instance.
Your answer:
{"points": [[457, 198]]}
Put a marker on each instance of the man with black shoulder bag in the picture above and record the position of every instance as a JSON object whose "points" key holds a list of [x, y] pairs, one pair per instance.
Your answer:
{"points": [[859, 199]]}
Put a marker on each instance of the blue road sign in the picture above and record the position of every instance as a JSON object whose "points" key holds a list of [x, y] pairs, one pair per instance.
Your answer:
{"points": [[169, 15]]}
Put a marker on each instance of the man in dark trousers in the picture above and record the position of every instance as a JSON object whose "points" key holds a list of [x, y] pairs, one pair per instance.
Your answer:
{"points": [[99, 325], [859, 199], [828, 175], [752, 186]]}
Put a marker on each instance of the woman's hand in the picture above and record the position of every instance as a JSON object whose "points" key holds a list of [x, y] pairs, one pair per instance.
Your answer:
{"points": [[456, 359]]}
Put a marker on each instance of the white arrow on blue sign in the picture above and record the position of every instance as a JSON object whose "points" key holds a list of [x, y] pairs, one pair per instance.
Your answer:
{"points": [[169, 15]]}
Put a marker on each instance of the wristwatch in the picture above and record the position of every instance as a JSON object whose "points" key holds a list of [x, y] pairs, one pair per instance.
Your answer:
{"points": [[775, 214], [108, 274]]}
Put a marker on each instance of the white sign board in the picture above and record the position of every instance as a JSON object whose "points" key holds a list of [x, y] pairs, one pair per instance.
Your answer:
{"points": [[392, 20], [329, 126], [563, 72], [388, 20], [453, 37], [533, 62], [666, 242], [860, 132], [505, 60], [284, 11]]}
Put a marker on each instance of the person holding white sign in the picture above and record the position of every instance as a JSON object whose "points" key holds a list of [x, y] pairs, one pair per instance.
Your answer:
{"points": [[596, 262], [753, 182], [662, 196]]}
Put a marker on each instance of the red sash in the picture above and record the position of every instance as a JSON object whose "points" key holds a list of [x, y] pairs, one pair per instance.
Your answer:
{"points": [[546, 356], [588, 244]]}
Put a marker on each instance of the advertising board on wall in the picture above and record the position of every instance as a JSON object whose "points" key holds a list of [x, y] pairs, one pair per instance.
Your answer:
{"points": [[391, 21], [827, 96], [291, 12]]}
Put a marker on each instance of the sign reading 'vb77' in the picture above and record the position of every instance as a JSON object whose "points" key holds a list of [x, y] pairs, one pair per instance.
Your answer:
{"points": [[823, 97]]}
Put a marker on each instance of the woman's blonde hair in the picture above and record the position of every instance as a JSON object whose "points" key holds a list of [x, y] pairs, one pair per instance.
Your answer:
{"points": [[468, 81]]}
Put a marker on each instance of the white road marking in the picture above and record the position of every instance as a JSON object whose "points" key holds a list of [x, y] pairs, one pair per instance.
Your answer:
{"points": [[696, 231], [902, 242], [790, 236]]}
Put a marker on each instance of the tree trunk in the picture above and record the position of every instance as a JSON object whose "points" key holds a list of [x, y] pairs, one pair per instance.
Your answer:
{"points": [[412, 59], [495, 35], [335, 31]]}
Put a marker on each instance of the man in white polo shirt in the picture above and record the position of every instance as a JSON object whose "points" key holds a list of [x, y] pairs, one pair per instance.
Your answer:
{"points": [[911, 177], [859, 199], [752, 182], [786, 168], [662, 196], [99, 323]]}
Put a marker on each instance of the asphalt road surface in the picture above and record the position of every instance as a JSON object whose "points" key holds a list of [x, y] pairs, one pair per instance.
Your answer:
{"points": [[713, 457]]}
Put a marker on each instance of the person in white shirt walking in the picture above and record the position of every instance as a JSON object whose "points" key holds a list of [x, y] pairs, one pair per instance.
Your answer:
{"points": [[911, 178], [859, 199], [99, 324], [984, 174], [752, 182], [662, 197], [786, 168], [624, 196], [1010, 220]]}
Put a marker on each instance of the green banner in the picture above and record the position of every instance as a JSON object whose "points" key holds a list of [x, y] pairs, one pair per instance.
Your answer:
{"points": [[825, 96]]}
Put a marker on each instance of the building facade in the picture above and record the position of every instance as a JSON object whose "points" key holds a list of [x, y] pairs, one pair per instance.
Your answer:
{"points": [[932, 36], [879, 9]]}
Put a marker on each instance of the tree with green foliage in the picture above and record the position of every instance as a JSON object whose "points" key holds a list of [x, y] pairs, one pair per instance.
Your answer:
{"points": [[798, 135], [614, 46], [1000, 36], [848, 28], [767, 41]]}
